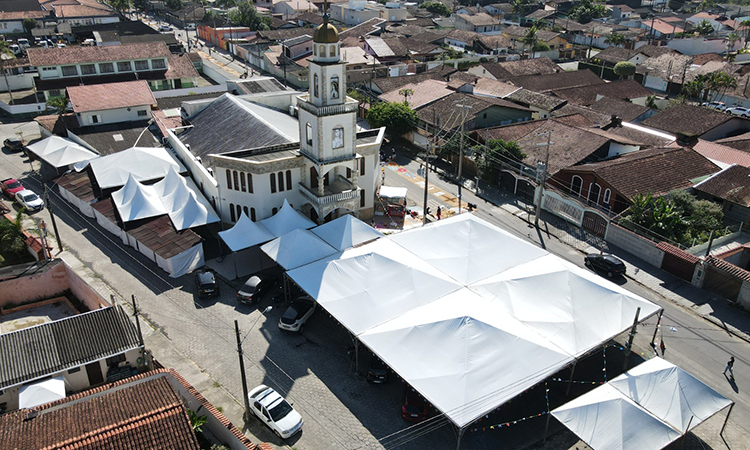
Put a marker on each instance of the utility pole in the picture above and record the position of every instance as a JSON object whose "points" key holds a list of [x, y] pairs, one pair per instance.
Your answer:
{"points": [[242, 371], [51, 215], [430, 148], [544, 176], [466, 109], [137, 322], [630, 338]]}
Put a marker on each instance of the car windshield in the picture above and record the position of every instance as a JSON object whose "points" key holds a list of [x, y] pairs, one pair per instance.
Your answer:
{"points": [[13, 185], [206, 278], [29, 197], [250, 285], [281, 410]]}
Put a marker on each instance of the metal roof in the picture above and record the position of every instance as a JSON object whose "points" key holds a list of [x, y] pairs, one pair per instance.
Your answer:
{"points": [[51, 347]]}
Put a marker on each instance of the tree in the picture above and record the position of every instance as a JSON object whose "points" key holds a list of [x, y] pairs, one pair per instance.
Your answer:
{"points": [[675, 5], [245, 15], [29, 24], [120, 5], [140, 5], [11, 238], [406, 93], [196, 421], [58, 104], [226, 4], [530, 38], [586, 10], [491, 158], [624, 69], [693, 89], [437, 8], [615, 39], [731, 39], [704, 28], [397, 118], [174, 5]]}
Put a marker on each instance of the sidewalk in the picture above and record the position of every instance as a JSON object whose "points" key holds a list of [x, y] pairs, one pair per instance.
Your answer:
{"points": [[701, 302]]}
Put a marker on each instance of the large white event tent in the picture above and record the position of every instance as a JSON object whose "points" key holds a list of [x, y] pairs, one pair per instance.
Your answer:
{"points": [[287, 219], [346, 232], [135, 201], [59, 152], [245, 234], [468, 314], [144, 163], [185, 204], [297, 248], [648, 407]]}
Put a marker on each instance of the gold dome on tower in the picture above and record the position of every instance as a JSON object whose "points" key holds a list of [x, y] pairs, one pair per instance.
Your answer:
{"points": [[326, 33]]}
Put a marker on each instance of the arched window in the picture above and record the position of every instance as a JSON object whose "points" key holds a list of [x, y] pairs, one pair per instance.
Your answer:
{"points": [[236, 180], [607, 196], [231, 212], [333, 50], [288, 180], [315, 85], [242, 182], [575, 185], [250, 183], [594, 191], [361, 198], [313, 178], [274, 211], [244, 208], [308, 133], [239, 212], [323, 51], [229, 179], [252, 214], [281, 181], [273, 183]]}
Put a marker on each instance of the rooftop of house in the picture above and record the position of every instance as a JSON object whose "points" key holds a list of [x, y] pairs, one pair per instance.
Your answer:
{"points": [[541, 14], [557, 81], [721, 154], [214, 128], [423, 93], [587, 95], [625, 110], [97, 97], [656, 171], [731, 184], [115, 137], [20, 15], [596, 118], [492, 42], [493, 88], [259, 85], [479, 19], [87, 10], [524, 67], [518, 32], [445, 108], [613, 55], [686, 119], [391, 83], [531, 98], [740, 142], [80, 54], [461, 35], [35, 352], [363, 29]]}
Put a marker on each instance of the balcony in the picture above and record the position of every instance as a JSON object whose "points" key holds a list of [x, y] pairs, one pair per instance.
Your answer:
{"points": [[350, 106], [340, 191]]}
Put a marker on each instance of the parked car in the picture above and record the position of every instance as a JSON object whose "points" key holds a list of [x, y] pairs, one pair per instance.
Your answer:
{"points": [[720, 106], [608, 264], [190, 26], [739, 111], [274, 411], [415, 407], [164, 28], [13, 144], [377, 371], [205, 282], [29, 200], [296, 315], [23, 42], [10, 186], [255, 287]]}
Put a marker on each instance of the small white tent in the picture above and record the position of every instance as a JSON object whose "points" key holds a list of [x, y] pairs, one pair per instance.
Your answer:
{"points": [[60, 152], [144, 163], [285, 220], [345, 232], [297, 248], [134, 201], [42, 392], [186, 206], [647, 407], [245, 234]]}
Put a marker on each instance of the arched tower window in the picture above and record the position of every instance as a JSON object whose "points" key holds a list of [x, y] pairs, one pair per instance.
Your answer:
{"points": [[308, 133], [315, 85], [322, 51]]}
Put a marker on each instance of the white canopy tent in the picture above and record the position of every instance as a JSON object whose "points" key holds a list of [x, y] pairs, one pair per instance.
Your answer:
{"points": [[185, 204], [297, 248], [134, 201], [60, 152], [345, 232], [40, 393], [287, 219], [647, 407], [144, 163], [447, 306], [245, 234]]}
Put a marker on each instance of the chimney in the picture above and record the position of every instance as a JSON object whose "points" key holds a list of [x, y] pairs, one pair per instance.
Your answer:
{"points": [[686, 140], [615, 121]]}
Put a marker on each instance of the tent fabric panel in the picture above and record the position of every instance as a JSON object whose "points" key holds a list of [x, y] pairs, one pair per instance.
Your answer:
{"points": [[245, 234], [345, 232], [297, 248], [136, 201], [110, 226], [183, 263], [144, 163], [46, 391], [287, 219]]}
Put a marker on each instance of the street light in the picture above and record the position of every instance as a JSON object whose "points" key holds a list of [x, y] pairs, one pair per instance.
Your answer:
{"points": [[242, 358]]}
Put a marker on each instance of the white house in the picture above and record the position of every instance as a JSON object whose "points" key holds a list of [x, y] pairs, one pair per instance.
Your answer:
{"points": [[127, 101]]}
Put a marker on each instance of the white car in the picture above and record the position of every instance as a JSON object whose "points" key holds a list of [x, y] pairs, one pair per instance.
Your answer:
{"points": [[296, 314], [739, 111], [29, 200], [165, 29], [719, 106], [190, 26], [274, 411]]}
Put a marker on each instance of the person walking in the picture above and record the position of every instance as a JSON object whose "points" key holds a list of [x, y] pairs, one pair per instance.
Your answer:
{"points": [[437, 213], [729, 367]]}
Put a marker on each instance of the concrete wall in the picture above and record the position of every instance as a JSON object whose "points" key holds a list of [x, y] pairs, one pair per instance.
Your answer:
{"points": [[52, 282], [744, 297], [17, 82], [200, 174], [634, 244], [32, 108], [115, 115], [221, 87]]}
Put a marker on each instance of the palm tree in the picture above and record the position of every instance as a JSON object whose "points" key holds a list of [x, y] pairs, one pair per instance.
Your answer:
{"points": [[745, 25], [730, 40], [615, 39], [704, 28], [530, 39]]}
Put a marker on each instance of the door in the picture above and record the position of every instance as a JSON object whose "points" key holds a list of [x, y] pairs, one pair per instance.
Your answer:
{"points": [[94, 372]]}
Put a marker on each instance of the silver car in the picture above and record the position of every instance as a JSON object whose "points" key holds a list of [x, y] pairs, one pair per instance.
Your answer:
{"points": [[739, 111], [29, 200]]}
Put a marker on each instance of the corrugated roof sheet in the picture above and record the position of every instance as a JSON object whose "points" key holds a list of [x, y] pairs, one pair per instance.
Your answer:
{"points": [[45, 349]]}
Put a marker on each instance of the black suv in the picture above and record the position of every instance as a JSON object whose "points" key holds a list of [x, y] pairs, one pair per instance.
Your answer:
{"points": [[606, 263], [13, 144], [255, 287], [205, 280]]}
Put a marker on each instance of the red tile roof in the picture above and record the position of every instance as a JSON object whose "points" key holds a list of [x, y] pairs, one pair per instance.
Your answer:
{"points": [[97, 97], [20, 15], [722, 153], [657, 171], [687, 119], [81, 55], [679, 253], [728, 268], [731, 184], [83, 11]]}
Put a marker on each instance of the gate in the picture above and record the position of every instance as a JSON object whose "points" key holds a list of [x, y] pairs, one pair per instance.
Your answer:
{"points": [[525, 191], [682, 267], [508, 182], [722, 283], [595, 223]]}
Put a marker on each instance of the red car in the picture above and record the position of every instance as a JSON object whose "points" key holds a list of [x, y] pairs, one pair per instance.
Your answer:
{"points": [[415, 407], [10, 186]]}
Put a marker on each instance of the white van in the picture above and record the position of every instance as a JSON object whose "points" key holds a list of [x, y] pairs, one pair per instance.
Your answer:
{"points": [[23, 42]]}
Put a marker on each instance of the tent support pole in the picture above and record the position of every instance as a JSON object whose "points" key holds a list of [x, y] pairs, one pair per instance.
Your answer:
{"points": [[656, 328], [570, 380], [546, 428], [630, 338], [356, 355], [460, 435], [687, 430], [727, 419]]}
